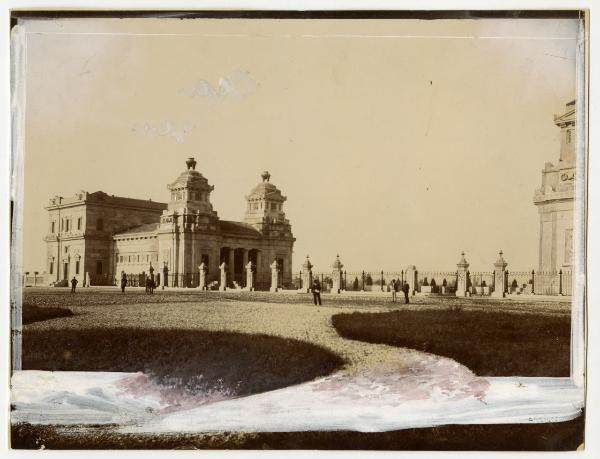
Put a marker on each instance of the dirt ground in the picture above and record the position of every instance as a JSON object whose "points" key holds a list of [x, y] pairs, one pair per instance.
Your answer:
{"points": [[284, 315], [290, 316]]}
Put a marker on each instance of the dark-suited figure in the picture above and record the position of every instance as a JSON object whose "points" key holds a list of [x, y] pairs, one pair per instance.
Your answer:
{"points": [[393, 288], [405, 289], [316, 290], [73, 284], [151, 285], [123, 281]]}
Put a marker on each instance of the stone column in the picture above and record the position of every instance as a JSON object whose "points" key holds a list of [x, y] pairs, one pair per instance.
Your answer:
{"points": [[461, 278], [307, 275], [249, 276], [274, 276], [258, 271], [202, 270], [411, 278], [232, 263], [336, 275], [245, 260], [223, 285], [499, 277]]}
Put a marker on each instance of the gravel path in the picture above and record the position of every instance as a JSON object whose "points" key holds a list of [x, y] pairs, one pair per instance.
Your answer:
{"points": [[284, 315]]}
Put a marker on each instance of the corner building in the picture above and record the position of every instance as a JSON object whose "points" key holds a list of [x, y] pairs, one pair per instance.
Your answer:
{"points": [[176, 237], [555, 200]]}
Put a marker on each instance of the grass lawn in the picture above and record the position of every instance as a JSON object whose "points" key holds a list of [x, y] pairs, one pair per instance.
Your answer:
{"points": [[490, 343]]}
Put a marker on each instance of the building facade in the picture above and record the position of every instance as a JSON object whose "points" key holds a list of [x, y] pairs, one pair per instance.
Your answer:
{"points": [[95, 237], [555, 200]]}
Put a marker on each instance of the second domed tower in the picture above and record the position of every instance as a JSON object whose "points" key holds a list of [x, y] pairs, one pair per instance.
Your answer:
{"points": [[265, 204]]}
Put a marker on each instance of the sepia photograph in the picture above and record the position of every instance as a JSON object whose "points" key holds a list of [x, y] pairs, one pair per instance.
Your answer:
{"points": [[334, 230]]}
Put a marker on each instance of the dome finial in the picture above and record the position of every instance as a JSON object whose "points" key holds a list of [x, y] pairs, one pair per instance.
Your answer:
{"points": [[266, 176], [191, 163]]}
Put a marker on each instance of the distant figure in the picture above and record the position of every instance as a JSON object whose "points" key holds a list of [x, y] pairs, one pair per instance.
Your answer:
{"points": [[73, 284], [405, 289], [393, 288], [123, 281], [316, 289], [150, 284]]}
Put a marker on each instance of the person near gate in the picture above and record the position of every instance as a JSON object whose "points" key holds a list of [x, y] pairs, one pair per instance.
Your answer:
{"points": [[406, 289], [316, 290], [123, 281], [150, 283], [393, 288], [73, 284]]}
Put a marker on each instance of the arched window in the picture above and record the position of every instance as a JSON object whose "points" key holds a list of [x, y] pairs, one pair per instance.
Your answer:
{"points": [[99, 224]]}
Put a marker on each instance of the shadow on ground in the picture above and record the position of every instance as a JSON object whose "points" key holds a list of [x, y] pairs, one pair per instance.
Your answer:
{"points": [[489, 343], [191, 360], [32, 313]]}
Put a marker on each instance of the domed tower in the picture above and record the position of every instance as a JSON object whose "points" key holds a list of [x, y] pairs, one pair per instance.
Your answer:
{"points": [[265, 207], [190, 192], [264, 212], [188, 219]]}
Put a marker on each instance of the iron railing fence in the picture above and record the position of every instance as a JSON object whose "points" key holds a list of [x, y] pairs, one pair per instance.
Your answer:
{"points": [[436, 281], [519, 282], [480, 282], [443, 282], [565, 284]]}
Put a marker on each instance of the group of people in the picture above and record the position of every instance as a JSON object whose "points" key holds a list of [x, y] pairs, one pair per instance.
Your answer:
{"points": [[402, 286], [394, 287], [316, 287], [150, 283]]}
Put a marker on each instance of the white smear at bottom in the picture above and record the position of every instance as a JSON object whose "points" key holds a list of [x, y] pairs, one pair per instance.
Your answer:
{"points": [[354, 403]]}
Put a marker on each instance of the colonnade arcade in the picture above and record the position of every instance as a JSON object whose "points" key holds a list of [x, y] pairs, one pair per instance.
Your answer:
{"points": [[237, 259]]}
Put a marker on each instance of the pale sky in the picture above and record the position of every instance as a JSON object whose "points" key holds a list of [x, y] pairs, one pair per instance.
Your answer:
{"points": [[396, 142]]}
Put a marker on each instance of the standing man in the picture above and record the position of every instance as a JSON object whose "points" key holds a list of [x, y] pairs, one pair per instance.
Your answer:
{"points": [[73, 284], [393, 288], [316, 290], [405, 289], [151, 284], [123, 281]]}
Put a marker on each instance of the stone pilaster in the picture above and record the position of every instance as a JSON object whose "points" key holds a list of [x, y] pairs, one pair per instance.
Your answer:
{"points": [[461, 278], [411, 278], [202, 271], [499, 277], [307, 278], [336, 275], [249, 276], [223, 285], [274, 276]]}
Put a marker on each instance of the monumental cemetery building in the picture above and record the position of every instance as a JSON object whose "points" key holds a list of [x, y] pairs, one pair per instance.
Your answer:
{"points": [[555, 200], [95, 237]]}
